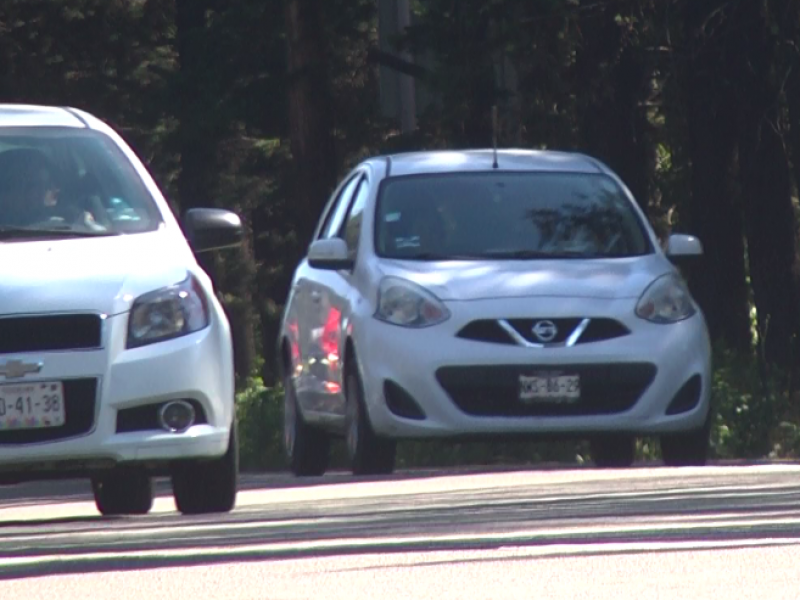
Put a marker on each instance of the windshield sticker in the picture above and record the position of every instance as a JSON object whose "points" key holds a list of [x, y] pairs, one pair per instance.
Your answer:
{"points": [[406, 242], [392, 217]]}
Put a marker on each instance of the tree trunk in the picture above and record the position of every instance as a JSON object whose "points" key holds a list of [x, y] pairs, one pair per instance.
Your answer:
{"points": [[310, 116], [197, 150], [720, 283], [201, 132], [793, 100], [771, 238], [196, 144], [792, 31], [240, 278], [313, 164], [615, 82], [766, 185]]}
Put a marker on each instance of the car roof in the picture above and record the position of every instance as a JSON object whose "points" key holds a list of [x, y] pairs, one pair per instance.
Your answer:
{"points": [[448, 161], [33, 115]]}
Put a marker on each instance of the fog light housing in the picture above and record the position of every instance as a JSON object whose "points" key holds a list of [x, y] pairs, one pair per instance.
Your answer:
{"points": [[176, 416]]}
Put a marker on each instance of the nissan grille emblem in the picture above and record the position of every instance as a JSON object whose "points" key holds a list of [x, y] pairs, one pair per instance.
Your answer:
{"points": [[545, 331], [15, 369]]}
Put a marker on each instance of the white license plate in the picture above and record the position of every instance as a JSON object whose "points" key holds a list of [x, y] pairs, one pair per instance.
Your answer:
{"points": [[549, 388], [32, 405]]}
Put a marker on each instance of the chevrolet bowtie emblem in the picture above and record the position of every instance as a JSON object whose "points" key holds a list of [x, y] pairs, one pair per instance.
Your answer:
{"points": [[14, 369]]}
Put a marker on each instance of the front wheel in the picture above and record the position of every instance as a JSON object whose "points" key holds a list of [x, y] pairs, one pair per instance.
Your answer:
{"points": [[123, 491], [209, 486], [369, 454], [308, 449]]}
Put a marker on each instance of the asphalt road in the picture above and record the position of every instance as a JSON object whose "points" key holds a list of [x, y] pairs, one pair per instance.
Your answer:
{"points": [[717, 532]]}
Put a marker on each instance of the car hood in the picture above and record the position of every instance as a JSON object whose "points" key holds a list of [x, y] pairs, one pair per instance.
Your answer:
{"points": [[476, 280], [103, 274]]}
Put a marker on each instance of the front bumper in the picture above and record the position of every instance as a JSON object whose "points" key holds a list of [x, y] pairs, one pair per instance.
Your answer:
{"points": [[111, 397], [469, 388]]}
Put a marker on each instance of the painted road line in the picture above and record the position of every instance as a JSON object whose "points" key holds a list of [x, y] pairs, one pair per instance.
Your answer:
{"points": [[580, 535], [372, 546]]}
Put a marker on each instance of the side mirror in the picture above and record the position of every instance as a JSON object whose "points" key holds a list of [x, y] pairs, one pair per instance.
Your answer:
{"points": [[330, 254], [683, 246], [209, 229]]}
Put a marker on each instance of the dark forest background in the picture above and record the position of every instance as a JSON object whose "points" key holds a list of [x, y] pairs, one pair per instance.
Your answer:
{"points": [[261, 105]]}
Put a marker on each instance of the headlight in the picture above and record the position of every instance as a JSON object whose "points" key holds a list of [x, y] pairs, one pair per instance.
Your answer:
{"points": [[666, 300], [168, 313], [403, 303]]}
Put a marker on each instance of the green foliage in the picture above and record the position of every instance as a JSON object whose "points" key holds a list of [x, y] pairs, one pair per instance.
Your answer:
{"points": [[751, 407], [259, 411]]}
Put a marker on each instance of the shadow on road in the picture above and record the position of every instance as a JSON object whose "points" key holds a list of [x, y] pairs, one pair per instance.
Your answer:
{"points": [[753, 506], [79, 490]]}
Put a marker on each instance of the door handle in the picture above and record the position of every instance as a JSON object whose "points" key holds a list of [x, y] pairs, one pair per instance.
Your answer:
{"points": [[316, 297]]}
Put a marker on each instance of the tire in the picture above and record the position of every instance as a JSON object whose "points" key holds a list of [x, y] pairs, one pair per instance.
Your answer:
{"points": [[369, 454], [613, 451], [307, 449], [123, 491], [688, 449], [209, 486]]}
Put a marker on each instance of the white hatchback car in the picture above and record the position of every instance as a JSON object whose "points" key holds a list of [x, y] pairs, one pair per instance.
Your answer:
{"points": [[444, 295], [116, 359]]}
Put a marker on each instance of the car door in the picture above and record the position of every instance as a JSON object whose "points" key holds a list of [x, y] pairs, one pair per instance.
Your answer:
{"points": [[300, 316], [337, 293], [318, 317]]}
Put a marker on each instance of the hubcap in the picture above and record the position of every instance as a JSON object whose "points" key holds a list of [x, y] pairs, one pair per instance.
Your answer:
{"points": [[352, 419], [289, 420]]}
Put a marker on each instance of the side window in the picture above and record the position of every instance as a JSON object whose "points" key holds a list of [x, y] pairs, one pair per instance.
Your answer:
{"points": [[351, 228], [339, 211], [329, 210]]}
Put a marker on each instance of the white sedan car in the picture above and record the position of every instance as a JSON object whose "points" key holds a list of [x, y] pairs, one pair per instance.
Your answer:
{"points": [[446, 295], [116, 360]]}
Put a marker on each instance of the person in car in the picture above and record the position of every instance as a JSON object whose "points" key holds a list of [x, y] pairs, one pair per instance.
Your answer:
{"points": [[30, 193]]}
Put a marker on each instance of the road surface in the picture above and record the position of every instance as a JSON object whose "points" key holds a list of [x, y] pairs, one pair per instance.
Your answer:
{"points": [[717, 532]]}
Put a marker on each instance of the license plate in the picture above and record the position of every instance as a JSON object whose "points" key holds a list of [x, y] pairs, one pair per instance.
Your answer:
{"points": [[32, 405], [549, 387]]}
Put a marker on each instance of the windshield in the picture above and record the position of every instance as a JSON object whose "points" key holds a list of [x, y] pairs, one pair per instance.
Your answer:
{"points": [[506, 215], [70, 180]]}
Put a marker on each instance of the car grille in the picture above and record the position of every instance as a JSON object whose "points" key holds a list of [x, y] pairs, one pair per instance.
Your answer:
{"points": [[493, 391], [520, 332], [47, 333], [80, 397]]}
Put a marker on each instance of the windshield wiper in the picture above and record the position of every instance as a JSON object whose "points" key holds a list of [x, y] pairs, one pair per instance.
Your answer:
{"points": [[514, 254], [504, 255], [533, 254], [16, 233], [440, 256]]}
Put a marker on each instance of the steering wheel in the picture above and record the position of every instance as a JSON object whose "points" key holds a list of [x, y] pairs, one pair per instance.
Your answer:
{"points": [[75, 220]]}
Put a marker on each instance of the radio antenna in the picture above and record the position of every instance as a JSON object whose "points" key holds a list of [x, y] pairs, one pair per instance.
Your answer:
{"points": [[494, 135]]}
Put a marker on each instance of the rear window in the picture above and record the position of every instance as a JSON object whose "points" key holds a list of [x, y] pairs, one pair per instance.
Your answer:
{"points": [[506, 215]]}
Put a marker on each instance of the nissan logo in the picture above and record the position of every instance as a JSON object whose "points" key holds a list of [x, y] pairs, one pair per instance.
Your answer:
{"points": [[545, 331]]}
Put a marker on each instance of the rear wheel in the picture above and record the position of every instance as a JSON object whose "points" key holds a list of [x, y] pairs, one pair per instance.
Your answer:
{"points": [[209, 486], [123, 491], [613, 451], [369, 454], [307, 449]]}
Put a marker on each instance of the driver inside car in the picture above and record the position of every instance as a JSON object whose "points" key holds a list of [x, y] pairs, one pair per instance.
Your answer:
{"points": [[30, 194]]}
